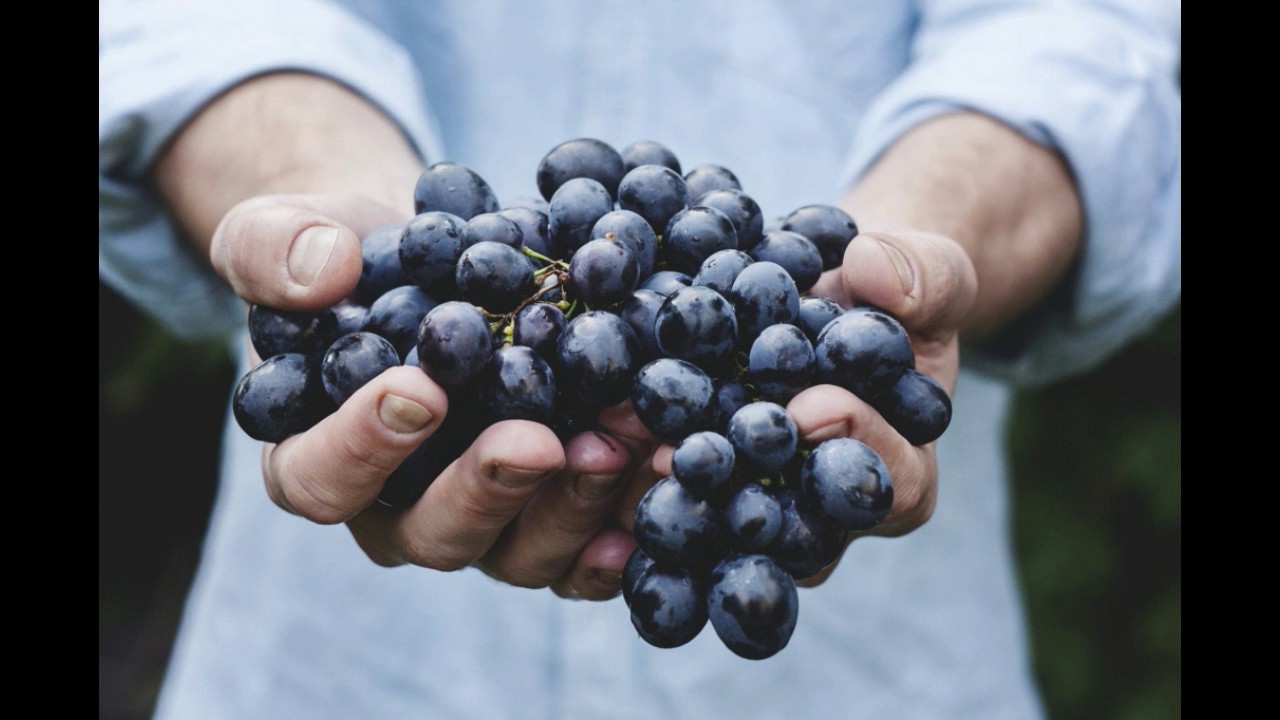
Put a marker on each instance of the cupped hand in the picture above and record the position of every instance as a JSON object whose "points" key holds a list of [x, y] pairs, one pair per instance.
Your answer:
{"points": [[517, 503]]}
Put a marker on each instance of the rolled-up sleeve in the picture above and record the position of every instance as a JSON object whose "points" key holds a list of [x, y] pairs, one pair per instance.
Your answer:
{"points": [[158, 64], [1097, 82]]}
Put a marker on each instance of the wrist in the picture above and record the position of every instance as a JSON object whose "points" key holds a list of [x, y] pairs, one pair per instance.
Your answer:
{"points": [[283, 133]]}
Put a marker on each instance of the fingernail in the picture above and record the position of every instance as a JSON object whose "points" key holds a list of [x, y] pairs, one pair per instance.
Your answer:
{"points": [[608, 578], [310, 253], [836, 429], [516, 477], [402, 414], [594, 487], [900, 264]]}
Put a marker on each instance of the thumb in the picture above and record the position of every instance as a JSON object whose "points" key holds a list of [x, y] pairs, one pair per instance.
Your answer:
{"points": [[925, 280], [295, 252]]}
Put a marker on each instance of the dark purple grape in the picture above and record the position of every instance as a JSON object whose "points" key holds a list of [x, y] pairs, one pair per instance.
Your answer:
{"points": [[655, 193], [580, 158], [829, 228], [730, 396], [848, 482], [575, 209], [453, 188], [517, 384], [380, 268], [604, 272], [703, 463], [764, 438], [276, 332], [668, 607], [397, 314], [864, 352], [494, 276], [492, 227], [720, 270], [781, 363], [916, 406], [705, 178], [350, 317], [637, 564], [763, 295], [353, 360], [641, 311], [665, 282], [281, 397], [794, 253], [752, 519], [455, 343], [675, 527], [526, 202], [815, 313], [539, 325], [698, 325], [693, 235], [597, 358], [430, 246], [672, 398], [753, 606], [742, 211], [807, 542], [534, 227], [634, 232], [648, 152]]}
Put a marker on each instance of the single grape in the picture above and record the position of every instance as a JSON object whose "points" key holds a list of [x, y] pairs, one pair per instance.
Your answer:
{"points": [[763, 295], [815, 313], [848, 482], [698, 325], [580, 158], [604, 272], [380, 268], [353, 360], [752, 519], [705, 178], [453, 188], [673, 398], [695, 234], [430, 246], [916, 406], [864, 352], [655, 193], [492, 227], [397, 314], [753, 606], [575, 209], [721, 268], [538, 325], [676, 527], [494, 276], [640, 311], [781, 363], [281, 397], [703, 463], [517, 384], [634, 232], [665, 282], [275, 332], [829, 228], [648, 152], [455, 343], [729, 397], [764, 438], [668, 607], [535, 229], [596, 359], [742, 211], [794, 253]]}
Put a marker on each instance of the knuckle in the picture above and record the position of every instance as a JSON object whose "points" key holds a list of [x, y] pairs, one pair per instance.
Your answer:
{"points": [[430, 554]]}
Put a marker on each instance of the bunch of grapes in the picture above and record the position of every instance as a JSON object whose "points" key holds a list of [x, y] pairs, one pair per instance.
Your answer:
{"points": [[630, 281]]}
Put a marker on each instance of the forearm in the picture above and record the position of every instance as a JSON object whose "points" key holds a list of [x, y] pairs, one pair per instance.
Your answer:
{"points": [[283, 133], [1010, 203]]}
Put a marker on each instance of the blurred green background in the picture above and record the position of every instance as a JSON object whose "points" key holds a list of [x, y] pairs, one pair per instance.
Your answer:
{"points": [[1097, 466]]}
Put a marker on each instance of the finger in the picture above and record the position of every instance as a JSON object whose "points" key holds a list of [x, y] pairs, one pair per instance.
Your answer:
{"points": [[824, 412], [295, 252], [335, 469], [621, 422], [541, 543], [926, 281], [465, 509], [597, 572]]}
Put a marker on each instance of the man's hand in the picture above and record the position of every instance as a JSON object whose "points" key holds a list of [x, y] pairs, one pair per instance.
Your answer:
{"points": [[517, 503]]}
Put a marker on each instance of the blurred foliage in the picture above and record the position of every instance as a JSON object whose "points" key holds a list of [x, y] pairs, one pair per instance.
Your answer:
{"points": [[1097, 483], [1098, 516]]}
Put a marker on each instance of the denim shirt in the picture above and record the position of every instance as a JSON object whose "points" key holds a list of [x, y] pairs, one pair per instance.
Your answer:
{"points": [[289, 619]]}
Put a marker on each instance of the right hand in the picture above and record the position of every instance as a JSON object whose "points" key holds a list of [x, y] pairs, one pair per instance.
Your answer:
{"points": [[517, 504]]}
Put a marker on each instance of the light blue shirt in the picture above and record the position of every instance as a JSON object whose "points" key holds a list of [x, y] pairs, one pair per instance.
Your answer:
{"points": [[288, 619]]}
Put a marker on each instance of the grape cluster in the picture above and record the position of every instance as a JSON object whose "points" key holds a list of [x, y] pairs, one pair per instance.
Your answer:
{"points": [[626, 281]]}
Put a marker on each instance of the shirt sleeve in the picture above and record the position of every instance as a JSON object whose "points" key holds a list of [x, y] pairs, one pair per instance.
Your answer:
{"points": [[1097, 82], [158, 64]]}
